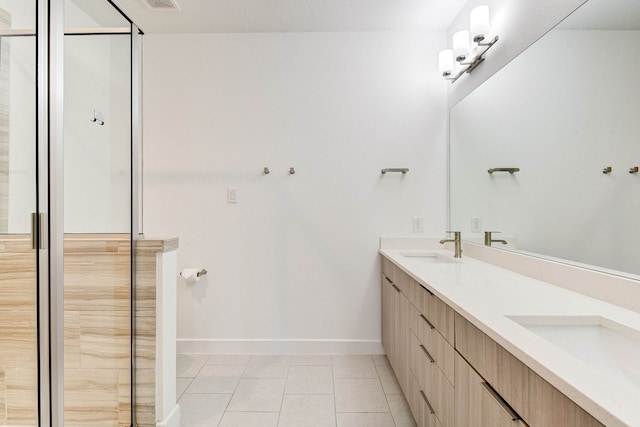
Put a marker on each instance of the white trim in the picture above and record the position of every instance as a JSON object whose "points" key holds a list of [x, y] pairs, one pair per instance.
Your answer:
{"points": [[279, 346], [173, 420]]}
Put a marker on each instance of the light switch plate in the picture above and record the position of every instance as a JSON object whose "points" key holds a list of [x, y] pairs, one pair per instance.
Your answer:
{"points": [[418, 224], [476, 225], [232, 195]]}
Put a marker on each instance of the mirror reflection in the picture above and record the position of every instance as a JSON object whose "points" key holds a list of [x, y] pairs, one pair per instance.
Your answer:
{"points": [[563, 113]]}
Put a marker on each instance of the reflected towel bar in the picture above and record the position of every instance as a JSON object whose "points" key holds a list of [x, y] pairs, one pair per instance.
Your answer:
{"points": [[510, 170], [403, 170]]}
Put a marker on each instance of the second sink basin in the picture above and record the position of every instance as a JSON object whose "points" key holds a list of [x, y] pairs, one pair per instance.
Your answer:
{"points": [[601, 343]]}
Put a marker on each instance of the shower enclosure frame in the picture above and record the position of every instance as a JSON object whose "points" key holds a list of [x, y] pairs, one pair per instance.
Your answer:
{"points": [[49, 229]]}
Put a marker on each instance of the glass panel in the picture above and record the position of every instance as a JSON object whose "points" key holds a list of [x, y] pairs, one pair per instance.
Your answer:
{"points": [[97, 133], [97, 254], [21, 13], [92, 14], [18, 268]]}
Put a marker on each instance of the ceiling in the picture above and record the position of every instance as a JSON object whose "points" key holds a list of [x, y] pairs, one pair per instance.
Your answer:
{"points": [[245, 16]]}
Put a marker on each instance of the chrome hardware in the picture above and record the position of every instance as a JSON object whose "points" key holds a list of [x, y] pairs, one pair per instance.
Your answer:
{"points": [[292, 171], [201, 272], [38, 231], [458, 243], [424, 396], [431, 359], [634, 169], [476, 59], [34, 230], [488, 240], [402, 170], [98, 117], [266, 171], [510, 170], [607, 170], [427, 321], [505, 406]]}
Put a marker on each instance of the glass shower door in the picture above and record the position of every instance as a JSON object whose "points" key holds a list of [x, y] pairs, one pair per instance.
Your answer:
{"points": [[19, 336], [97, 216]]}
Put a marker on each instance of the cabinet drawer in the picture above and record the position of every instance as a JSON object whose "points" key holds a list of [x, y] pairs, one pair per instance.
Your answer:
{"points": [[538, 402], [439, 348], [421, 408], [477, 404], [437, 389], [439, 314]]}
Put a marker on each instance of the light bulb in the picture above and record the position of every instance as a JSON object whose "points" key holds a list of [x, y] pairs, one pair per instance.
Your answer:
{"points": [[445, 62], [479, 20], [461, 45]]}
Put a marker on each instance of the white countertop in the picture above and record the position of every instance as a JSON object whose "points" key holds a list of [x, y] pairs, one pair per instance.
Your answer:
{"points": [[486, 294]]}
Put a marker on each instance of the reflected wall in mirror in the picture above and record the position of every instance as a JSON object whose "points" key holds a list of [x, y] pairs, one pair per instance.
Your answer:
{"points": [[562, 111]]}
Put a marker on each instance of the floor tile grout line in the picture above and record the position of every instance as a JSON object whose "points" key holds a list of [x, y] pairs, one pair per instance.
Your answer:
{"points": [[232, 394]]}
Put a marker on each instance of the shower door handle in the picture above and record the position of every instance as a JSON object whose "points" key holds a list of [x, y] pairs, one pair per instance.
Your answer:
{"points": [[38, 227], [34, 230]]}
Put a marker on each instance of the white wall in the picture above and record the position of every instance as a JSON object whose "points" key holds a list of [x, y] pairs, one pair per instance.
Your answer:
{"points": [[293, 266], [556, 113]]}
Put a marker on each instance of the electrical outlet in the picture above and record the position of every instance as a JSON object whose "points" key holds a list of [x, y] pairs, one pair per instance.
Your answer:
{"points": [[418, 224], [232, 195], [476, 225]]}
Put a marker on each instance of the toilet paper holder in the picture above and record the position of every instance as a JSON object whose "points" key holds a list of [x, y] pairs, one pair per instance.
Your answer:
{"points": [[199, 273]]}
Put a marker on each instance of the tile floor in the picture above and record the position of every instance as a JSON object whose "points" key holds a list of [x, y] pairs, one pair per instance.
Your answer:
{"points": [[289, 391]]}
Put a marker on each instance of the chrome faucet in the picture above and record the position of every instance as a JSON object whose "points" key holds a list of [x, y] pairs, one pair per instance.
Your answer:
{"points": [[488, 240], [458, 243]]}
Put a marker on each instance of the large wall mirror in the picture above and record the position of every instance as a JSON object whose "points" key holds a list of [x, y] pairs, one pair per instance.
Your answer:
{"points": [[563, 112]]}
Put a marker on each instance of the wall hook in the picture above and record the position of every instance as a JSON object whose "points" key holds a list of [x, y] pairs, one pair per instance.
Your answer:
{"points": [[266, 171], [98, 117], [292, 171], [607, 170], [634, 169]]}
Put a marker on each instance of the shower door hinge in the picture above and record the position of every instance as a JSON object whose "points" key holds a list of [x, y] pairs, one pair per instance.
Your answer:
{"points": [[38, 231]]}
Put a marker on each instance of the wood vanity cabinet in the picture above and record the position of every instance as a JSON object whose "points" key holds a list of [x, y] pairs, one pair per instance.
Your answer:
{"points": [[534, 399], [453, 374], [417, 334]]}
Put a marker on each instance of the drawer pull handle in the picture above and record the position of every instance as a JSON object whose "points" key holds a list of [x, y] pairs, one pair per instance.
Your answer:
{"points": [[428, 291], [395, 287], [388, 280], [427, 320], [423, 348], [505, 406], [424, 396]]}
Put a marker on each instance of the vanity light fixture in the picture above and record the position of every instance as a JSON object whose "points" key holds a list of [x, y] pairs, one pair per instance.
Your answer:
{"points": [[469, 47]]}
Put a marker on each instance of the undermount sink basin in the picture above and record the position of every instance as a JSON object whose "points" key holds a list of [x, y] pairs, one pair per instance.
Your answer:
{"points": [[601, 343], [429, 257]]}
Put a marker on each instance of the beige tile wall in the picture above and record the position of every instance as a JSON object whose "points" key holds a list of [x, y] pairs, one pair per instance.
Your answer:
{"points": [[145, 301], [97, 330], [18, 345], [5, 23], [97, 351]]}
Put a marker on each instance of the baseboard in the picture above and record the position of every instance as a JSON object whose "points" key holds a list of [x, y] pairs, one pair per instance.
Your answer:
{"points": [[274, 346], [173, 420]]}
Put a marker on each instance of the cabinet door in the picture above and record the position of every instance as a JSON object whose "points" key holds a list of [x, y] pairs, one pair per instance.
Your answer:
{"points": [[477, 404], [387, 318], [402, 337]]}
